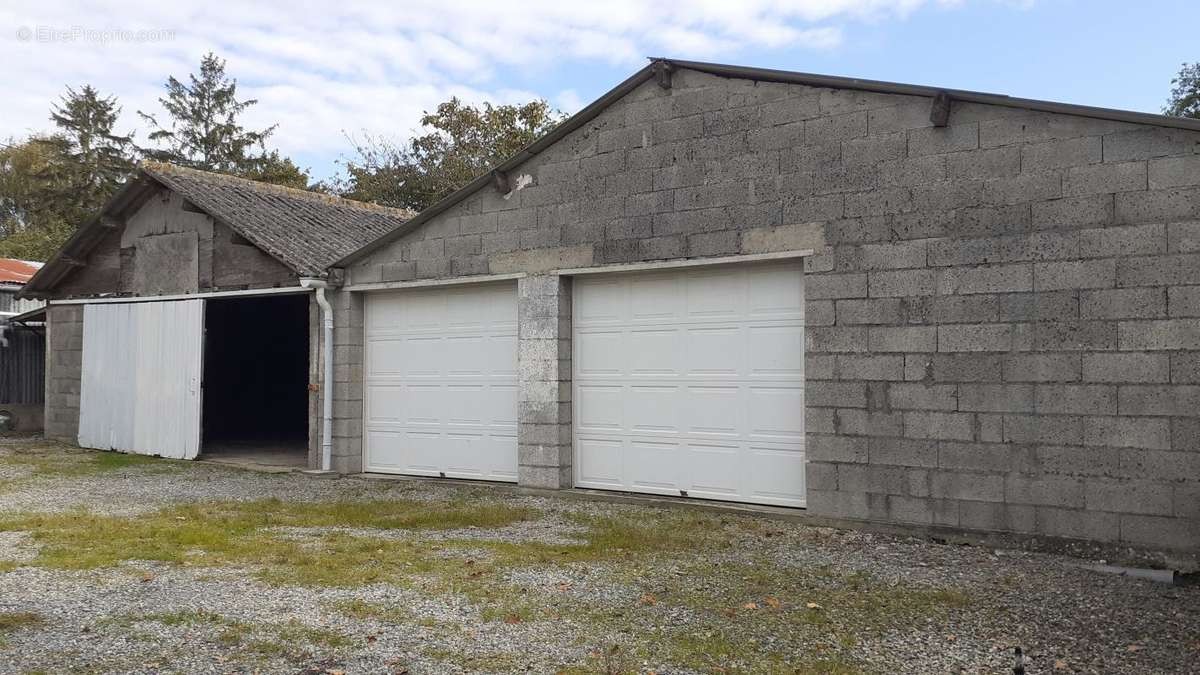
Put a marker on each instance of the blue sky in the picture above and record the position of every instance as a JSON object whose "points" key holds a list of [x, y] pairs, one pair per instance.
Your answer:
{"points": [[323, 70]]}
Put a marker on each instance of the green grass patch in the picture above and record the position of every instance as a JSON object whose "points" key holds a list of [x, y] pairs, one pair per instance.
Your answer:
{"points": [[56, 461], [243, 533], [12, 621], [363, 610]]}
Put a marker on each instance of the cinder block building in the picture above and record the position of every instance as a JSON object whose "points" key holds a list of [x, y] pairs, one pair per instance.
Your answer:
{"points": [[882, 303]]}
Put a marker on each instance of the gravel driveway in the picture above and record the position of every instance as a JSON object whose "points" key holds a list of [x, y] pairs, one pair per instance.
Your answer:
{"points": [[111, 563]]}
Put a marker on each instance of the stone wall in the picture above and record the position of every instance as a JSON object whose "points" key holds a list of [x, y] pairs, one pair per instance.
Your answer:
{"points": [[1003, 314]]}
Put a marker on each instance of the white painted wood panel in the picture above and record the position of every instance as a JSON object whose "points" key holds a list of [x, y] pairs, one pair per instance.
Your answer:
{"points": [[692, 381], [441, 382], [140, 385]]}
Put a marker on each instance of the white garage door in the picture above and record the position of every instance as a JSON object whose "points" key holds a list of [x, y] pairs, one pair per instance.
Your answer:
{"points": [[140, 384], [441, 382], [692, 382]]}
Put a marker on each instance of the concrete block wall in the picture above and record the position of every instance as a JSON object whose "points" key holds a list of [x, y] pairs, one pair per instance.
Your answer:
{"points": [[348, 382], [1003, 314], [64, 368]]}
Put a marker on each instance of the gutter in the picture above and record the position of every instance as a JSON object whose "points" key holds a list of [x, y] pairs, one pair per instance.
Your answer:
{"points": [[327, 375]]}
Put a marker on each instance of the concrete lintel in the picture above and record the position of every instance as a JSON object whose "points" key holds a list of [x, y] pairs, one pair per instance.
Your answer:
{"points": [[691, 262], [423, 283], [183, 296]]}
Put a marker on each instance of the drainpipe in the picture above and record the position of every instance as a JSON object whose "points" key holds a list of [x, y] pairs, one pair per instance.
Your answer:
{"points": [[327, 380]]}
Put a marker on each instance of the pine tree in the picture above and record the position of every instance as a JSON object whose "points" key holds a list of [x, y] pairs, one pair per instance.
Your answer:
{"points": [[91, 160], [203, 131]]}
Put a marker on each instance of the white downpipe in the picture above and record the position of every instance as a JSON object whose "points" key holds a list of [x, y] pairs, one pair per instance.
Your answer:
{"points": [[327, 377]]}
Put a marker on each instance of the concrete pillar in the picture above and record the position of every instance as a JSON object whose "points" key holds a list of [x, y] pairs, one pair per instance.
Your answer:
{"points": [[544, 378], [348, 381]]}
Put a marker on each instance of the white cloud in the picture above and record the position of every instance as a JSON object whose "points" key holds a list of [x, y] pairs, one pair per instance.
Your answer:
{"points": [[319, 68]]}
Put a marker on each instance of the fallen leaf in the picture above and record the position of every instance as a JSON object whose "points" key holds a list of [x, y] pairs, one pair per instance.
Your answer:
{"points": [[772, 602], [951, 637], [564, 586], [812, 605], [147, 577], [335, 672], [729, 611], [512, 618], [750, 605], [1133, 648], [1059, 664], [648, 599], [371, 638]]}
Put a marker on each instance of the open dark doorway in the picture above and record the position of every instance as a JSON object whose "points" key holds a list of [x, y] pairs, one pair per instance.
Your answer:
{"points": [[256, 379]]}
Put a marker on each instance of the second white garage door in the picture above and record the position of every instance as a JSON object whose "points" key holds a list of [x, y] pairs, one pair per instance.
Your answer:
{"points": [[692, 382], [441, 382]]}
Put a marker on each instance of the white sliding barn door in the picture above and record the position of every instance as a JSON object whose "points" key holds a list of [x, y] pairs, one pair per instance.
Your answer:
{"points": [[140, 387]]}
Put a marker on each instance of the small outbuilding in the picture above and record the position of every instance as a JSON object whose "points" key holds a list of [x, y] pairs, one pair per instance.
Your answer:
{"points": [[182, 318]]}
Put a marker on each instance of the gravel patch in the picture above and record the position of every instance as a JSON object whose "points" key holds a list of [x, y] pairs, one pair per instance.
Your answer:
{"points": [[768, 587]]}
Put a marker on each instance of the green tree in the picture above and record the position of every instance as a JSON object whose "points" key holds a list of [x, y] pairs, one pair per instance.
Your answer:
{"points": [[460, 143], [91, 161], [203, 131], [33, 224], [1185, 93]]}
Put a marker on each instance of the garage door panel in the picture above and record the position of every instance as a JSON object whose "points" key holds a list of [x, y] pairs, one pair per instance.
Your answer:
{"points": [[777, 476], [653, 351], [599, 303], [714, 410], [652, 299], [598, 462], [714, 471], [715, 351], [776, 350], [772, 295], [776, 413], [601, 407], [692, 380], [387, 356], [654, 465], [650, 409], [711, 297], [441, 393], [598, 352]]}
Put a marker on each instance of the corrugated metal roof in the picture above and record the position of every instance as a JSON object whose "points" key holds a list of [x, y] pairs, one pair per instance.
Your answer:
{"points": [[13, 271], [763, 75]]}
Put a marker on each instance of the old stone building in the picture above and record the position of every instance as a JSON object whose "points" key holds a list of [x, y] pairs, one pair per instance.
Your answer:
{"points": [[879, 302]]}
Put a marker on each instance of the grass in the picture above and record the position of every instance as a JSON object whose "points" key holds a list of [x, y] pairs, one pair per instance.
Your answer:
{"points": [[743, 616], [261, 639], [244, 533], [57, 461], [363, 610], [11, 622]]}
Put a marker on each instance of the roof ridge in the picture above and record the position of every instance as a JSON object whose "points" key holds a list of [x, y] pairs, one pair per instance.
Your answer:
{"points": [[155, 168]]}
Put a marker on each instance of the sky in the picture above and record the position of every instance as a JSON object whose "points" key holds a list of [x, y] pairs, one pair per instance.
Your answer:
{"points": [[328, 72]]}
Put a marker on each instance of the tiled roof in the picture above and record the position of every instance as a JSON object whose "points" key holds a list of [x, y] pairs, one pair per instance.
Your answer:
{"points": [[306, 231]]}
